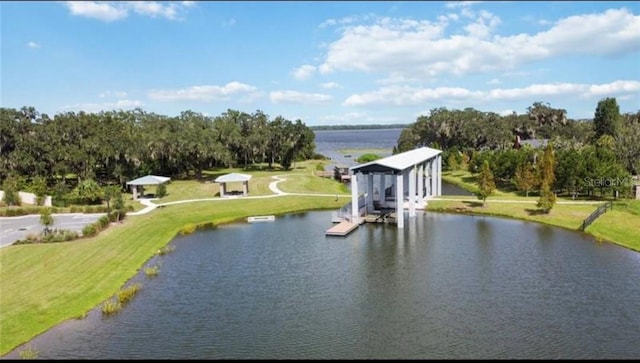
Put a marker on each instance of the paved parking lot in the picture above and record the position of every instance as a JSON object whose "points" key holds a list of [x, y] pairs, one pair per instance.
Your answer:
{"points": [[16, 228]]}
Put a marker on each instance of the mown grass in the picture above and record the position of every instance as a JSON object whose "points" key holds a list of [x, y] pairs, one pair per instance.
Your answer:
{"points": [[205, 187], [302, 183], [46, 284], [620, 225], [568, 216]]}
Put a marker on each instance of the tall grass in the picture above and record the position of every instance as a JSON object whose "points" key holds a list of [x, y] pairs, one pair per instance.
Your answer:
{"points": [[29, 353], [111, 306], [152, 271], [166, 250], [126, 294]]}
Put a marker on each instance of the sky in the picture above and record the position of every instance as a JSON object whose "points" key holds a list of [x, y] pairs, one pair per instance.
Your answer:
{"points": [[322, 62]]}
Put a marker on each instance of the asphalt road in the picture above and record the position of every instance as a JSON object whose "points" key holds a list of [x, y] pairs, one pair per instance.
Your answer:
{"points": [[16, 228]]}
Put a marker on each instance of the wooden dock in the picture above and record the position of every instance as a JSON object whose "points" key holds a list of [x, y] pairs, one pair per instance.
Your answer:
{"points": [[342, 229]]}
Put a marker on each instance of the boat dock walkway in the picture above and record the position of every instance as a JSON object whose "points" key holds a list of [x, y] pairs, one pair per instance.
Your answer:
{"points": [[343, 228]]}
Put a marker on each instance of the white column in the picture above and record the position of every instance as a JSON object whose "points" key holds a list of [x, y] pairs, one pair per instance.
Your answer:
{"points": [[134, 191], [412, 191], [433, 177], [421, 181], [245, 188], [439, 176], [400, 200], [223, 187], [355, 213], [369, 192], [383, 188]]}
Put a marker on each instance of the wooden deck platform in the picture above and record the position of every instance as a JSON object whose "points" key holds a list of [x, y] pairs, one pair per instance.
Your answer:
{"points": [[342, 229]]}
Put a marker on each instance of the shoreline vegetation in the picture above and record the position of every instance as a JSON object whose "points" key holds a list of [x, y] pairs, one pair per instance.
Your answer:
{"points": [[52, 283], [618, 226]]}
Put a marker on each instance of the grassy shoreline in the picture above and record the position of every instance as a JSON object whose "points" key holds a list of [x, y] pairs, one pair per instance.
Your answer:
{"points": [[44, 285], [619, 226]]}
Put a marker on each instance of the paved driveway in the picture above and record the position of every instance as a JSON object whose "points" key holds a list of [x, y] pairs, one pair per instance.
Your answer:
{"points": [[16, 228]]}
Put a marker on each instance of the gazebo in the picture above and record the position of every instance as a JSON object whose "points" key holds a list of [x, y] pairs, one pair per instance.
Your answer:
{"points": [[146, 180], [231, 178]]}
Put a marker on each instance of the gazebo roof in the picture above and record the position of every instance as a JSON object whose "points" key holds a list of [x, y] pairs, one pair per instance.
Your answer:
{"points": [[149, 180], [232, 177]]}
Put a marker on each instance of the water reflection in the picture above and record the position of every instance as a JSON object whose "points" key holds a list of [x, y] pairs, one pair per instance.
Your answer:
{"points": [[444, 287]]}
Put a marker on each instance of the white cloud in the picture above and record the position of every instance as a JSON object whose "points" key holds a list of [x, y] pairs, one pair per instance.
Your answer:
{"points": [[615, 88], [416, 48], [33, 45], [298, 97], [107, 106], [494, 81], [112, 11], [409, 96], [345, 21], [155, 9], [204, 93], [330, 85], [460, 4], [97, 10], [304, 72], [114, 94]]}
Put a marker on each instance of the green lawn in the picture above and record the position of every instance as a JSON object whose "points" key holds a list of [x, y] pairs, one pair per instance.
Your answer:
{"points": [[620, 225], [46, 284]]}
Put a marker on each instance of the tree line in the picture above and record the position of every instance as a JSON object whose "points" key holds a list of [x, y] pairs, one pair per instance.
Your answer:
{"points": [[586, 157], [117, 146]]}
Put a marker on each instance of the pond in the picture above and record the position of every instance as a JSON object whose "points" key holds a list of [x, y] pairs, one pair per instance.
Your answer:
{"points": [[444, 287]]}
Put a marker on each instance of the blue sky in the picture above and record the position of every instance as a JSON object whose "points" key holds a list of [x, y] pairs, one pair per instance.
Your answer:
{"points": [[322, 62]]}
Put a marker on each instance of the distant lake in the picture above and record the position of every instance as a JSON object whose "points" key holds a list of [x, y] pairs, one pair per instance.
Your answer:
{"points": [[329, 142]]}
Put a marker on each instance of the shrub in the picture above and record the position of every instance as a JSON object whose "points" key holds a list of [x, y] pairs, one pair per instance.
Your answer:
{"points": [[126, 294], [111, 306], [39, 188], [365, 158], [166, 250], [59, 194], [29, 353], [103, 221], [88, 192], [10, 186], [152, 271], [188, 229], [89, 230], [161, 190]]}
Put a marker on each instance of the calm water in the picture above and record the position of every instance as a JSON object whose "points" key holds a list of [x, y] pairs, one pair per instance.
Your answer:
{"points": [[330, 142], [447, 286]]}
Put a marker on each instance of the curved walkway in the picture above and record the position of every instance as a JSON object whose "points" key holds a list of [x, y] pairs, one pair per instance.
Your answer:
{"points": [[273, 186]]}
